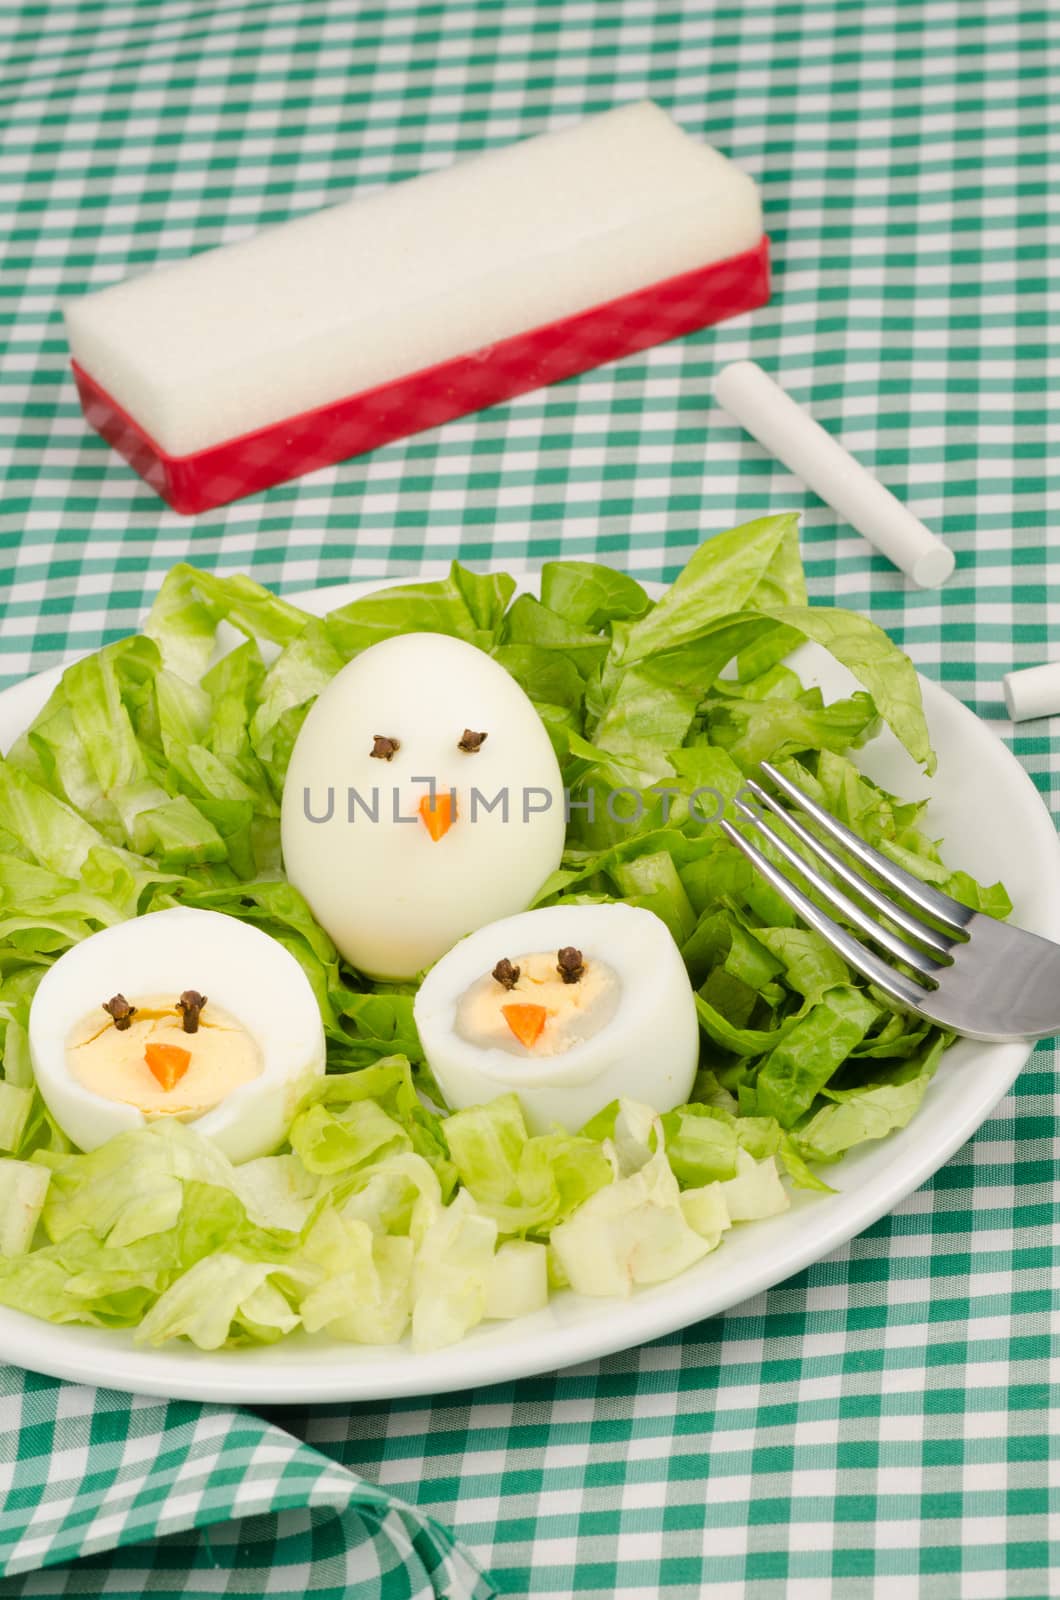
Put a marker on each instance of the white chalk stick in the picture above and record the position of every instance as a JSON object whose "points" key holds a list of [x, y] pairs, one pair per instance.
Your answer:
{"points": [[788, 432], [1033, 692], [387, 284]]}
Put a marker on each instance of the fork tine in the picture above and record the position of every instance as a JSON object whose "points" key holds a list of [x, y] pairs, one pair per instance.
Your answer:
{"points": [[935, 940], [920, 960], [933, 901], [896, 984]]}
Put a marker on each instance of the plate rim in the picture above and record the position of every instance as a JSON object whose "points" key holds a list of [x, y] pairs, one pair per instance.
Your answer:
{"points": [[247, 1377]]}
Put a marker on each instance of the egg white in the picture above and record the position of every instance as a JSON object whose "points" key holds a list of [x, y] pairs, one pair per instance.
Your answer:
{"points": [[648, 1050], [238, 967], [392, 898]]}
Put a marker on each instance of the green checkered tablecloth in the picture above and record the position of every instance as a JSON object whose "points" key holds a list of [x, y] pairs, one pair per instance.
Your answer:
{"points": [[883, 1425]]}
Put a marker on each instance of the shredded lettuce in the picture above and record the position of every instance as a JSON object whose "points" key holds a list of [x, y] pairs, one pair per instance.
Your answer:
{"points": [[23, 1187], [348, 1230], [153, 776], [525, 1184]]}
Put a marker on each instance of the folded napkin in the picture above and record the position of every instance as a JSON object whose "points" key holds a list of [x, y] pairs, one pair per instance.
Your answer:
{"points": [[199, 1500]]}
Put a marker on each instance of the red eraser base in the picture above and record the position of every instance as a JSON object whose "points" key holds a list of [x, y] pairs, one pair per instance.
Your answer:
{"points": [[423, 399]]}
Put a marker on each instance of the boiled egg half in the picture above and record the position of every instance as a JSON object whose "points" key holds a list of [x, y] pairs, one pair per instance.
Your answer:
{"points": [[423, 799], [570, 1007], [180, 1013]]}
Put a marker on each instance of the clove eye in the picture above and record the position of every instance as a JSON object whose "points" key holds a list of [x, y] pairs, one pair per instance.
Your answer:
{"points": [[570, 964], [120, 1012], [384, 748], [190, 1005], [470, 742]]}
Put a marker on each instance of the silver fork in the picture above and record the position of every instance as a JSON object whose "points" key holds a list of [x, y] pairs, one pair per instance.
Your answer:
{"points": [[967, 971]]}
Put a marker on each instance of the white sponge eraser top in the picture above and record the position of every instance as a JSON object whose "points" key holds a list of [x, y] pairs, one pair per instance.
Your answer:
{"points": [[336, 302]]}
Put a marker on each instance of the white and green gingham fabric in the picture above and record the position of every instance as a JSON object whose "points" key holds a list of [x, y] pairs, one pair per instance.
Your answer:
{"points": [[884, 1426], [150, 1497]]}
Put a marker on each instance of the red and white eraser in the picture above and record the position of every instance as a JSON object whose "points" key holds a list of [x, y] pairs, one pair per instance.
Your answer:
{"points": [[344, 329]]}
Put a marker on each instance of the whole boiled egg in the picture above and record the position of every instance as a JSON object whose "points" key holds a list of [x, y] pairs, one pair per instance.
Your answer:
{"points": [[180, 1013], [569, 1007], [423, 798]]}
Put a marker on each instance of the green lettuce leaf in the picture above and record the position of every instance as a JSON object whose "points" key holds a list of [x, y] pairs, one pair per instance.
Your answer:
{"points": [[467, 605], [877, 663], [871, 1110], [524, 1183], [221, 1292], [753, 731], [754, 566], [803, 1062], [633, 1231], [591, 596], [23, 1189], [191, 605]]}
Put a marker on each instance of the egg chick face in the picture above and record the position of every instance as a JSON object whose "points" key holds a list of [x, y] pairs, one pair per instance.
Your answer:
{"points": [[569, 1007], [113, 1048], [423, 799], [159, 1058]]}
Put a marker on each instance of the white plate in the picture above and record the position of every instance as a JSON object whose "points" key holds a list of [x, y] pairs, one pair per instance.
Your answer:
{"points": [[994, 824]]}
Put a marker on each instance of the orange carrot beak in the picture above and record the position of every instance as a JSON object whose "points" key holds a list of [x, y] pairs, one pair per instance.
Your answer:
{"points": [[526, 1022], [440, 815], [168, 1062]]}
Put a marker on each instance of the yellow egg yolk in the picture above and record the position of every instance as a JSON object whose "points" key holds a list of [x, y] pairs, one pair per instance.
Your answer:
{"points": [[573, 1011], [113, 1062]]}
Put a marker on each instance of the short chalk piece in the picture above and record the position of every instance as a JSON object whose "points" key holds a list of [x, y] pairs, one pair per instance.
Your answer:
{"points": [[771, 416], [1033, 692]]}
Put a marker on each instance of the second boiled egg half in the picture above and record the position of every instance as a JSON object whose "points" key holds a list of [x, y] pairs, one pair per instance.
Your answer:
{"points": [[183, 1013], [569, 1007]]}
